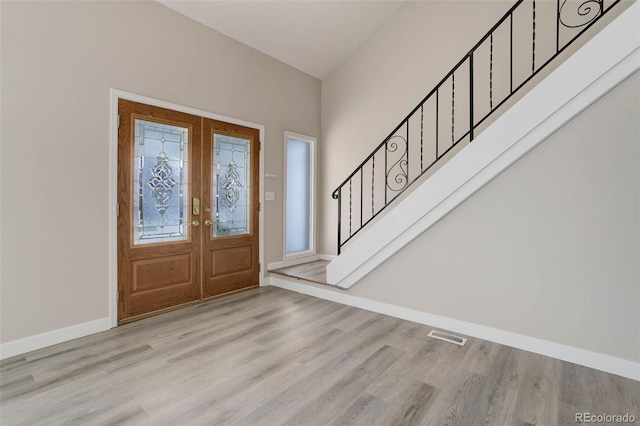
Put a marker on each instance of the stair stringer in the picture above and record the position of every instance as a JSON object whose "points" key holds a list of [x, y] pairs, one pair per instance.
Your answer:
{"points": [[602, 63]]}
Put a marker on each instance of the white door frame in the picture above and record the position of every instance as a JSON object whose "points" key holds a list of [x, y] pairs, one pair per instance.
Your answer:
{"points": [[115, 96]]}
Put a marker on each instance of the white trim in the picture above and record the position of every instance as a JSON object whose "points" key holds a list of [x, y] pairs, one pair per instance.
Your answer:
{"points": [[313, 142], [115, 95], [605, 61], [50, 338], [607, 363]]}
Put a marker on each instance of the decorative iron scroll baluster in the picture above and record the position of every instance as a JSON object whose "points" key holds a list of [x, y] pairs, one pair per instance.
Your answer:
{"points": [[396, 170], [583, 10]]}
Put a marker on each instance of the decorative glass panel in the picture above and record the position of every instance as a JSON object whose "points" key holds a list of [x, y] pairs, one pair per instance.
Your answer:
{"points": [[160, 194], [231, 185]]}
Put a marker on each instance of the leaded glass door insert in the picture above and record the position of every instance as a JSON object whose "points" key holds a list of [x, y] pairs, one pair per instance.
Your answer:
{"points": [[230, 218], [232, 185], [159, 241], [160, 193]]}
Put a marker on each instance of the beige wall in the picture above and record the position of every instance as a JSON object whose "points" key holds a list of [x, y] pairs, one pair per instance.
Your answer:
{"points": [[549, 249], [59, 60]]}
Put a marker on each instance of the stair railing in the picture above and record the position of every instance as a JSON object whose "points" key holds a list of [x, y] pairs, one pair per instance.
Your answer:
{"points": [[430, 131]]}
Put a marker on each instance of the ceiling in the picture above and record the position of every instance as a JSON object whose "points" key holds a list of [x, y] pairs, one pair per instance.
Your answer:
{"points": [[310, 35]]}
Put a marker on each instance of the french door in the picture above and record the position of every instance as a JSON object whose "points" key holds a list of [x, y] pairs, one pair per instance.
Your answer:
{"points": [[187, 209]]}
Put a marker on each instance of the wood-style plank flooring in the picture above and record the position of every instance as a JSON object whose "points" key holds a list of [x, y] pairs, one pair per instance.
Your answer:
{"points": [[269, 356], [315, 271]]}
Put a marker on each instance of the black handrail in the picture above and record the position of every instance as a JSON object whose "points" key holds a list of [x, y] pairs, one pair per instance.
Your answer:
{"points": [[396, 163]]}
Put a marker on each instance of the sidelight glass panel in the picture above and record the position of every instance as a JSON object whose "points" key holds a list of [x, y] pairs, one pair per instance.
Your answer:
{"points": [[160, 190], [231, 185], [298, 226]]}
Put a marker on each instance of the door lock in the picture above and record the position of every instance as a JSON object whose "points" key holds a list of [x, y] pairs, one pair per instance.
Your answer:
{"points": [[194, 223], [207, 222]]}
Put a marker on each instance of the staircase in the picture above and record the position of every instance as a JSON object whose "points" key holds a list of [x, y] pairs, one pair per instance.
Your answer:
{"points": [[461, 109]]}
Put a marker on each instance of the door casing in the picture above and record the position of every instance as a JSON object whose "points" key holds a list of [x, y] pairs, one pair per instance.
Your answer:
{"points": [[115, 96]]}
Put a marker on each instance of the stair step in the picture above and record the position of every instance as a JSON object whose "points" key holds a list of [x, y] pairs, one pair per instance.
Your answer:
{"points": [[315, 271]]}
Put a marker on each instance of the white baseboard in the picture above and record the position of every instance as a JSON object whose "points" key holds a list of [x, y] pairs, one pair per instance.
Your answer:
{"points": [[598, 361], [50, 338]]}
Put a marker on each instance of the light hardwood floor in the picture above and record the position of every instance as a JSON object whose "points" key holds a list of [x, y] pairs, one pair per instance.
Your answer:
{"points": [[269, 356]]}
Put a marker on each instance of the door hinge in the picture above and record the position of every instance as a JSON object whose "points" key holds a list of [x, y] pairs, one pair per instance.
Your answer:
{"points": [[118, 121], [260, 267], [117, 209], [259, 145], [118, 296], [259, 207]]}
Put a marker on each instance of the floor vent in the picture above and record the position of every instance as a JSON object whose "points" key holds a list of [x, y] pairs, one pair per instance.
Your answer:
{"points": [[448, 337]]}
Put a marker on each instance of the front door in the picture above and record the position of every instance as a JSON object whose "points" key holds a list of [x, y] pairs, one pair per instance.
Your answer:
{"points": [[187, 209], [230, 236]]}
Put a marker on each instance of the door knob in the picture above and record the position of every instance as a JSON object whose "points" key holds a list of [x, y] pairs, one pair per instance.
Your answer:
{"points": [[207, 222], [194, 223]]}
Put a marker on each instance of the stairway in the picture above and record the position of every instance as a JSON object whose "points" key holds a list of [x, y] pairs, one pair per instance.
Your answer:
{"points": [[603, 62]]}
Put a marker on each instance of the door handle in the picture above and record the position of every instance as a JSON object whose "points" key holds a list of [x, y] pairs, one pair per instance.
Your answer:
{"points": [[207, 222], [194, 223]]}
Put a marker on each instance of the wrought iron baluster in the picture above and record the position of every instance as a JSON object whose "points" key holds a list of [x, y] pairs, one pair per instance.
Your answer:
{"points": [[533, 47], [491, 73], [386, 178], [421, 136], [471, 97], [361, 193], [350, 199], [511, 54], [437, 120], [373, 186], [407, 155], [339, 197], [453, 108], [557, 26]]}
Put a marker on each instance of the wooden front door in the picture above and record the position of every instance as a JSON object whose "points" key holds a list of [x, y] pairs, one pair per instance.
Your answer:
{"points": [[230, 236], [187, 209]]}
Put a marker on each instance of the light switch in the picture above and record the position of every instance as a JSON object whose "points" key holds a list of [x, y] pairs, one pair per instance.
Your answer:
{"points": [[269, 196]]}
